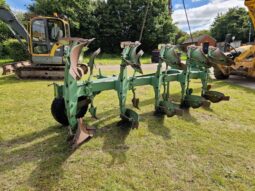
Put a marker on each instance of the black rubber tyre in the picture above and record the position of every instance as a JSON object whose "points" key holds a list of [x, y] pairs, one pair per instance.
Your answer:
{"points": [[82, 112], [219, 75], [184, 105], [58, 111]]}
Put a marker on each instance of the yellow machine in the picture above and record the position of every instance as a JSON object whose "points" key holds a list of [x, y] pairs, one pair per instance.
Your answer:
{"points": [[46, 57], [244, 57]]}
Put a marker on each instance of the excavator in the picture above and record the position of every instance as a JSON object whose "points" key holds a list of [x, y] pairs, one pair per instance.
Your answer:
{"points": [[40, 37], [243, 57]]}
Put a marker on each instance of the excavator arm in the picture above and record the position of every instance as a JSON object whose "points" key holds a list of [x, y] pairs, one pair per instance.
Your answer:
{"points": [[245, 62], [15, 26], [250, 4]]}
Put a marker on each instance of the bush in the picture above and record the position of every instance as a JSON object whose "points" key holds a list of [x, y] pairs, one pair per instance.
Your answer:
{"points": [[1, 50], [14, 50], [5, 32]]}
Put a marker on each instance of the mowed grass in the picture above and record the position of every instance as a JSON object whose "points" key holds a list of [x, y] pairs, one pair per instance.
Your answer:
{"points": [[109, 59], [104, 59], [206, 149], [114, 59], [183, 57], [5, 61]]}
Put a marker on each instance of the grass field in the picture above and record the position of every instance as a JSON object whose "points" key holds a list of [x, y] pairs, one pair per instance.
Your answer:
{"points": [[203, 150], [104, 59], [4, 61], [183, 57], [109, 59]]}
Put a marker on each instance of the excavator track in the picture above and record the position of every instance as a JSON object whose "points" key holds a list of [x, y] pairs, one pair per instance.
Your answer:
{"points": [[49, 72], [11, 67]]}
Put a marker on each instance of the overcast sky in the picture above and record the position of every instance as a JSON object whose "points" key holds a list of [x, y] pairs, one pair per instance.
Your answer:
{"points": [[201, 12]]}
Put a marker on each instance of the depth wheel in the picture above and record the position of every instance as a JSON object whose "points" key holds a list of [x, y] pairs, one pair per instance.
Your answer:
{"points": [[58, 111]]}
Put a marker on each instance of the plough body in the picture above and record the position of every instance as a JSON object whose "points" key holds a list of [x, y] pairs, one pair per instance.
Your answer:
{"points": [[75, 97]]}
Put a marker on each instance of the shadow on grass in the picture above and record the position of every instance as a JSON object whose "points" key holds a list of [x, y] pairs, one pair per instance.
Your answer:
{"points": [[188, 117], [156, 125], [48, 148], [114, 142], [115, 136], [12, 79]]}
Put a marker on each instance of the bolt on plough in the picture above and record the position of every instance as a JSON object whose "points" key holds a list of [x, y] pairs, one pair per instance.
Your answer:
{"points": [[75, 97]]}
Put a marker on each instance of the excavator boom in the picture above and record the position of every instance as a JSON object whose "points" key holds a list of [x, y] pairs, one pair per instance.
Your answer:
{"points": [[14, 25], [250, 4]]}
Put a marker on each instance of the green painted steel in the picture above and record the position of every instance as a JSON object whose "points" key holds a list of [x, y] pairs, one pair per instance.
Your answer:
{"points": [[80, 94]]}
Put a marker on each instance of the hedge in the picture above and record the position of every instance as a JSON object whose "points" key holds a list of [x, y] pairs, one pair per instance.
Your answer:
{"points": [[13, 49]]}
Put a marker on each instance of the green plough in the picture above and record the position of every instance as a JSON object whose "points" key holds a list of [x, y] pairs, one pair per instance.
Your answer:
{"points": [[75, 97]]}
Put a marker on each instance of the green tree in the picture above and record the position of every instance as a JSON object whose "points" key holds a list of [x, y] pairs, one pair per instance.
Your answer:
{"points": [[121, 20], [200, 33], [2, 2], [5, 32], [235, 22], [113, 21], [182, 36], [79, 13]]}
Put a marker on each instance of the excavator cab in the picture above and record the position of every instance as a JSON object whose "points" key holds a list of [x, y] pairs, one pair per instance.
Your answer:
{"points": [[45, 33]]}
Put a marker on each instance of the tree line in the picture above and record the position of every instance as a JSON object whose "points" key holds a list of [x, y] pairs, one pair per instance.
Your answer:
{"points": [[235, 21], [113, 21]]}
